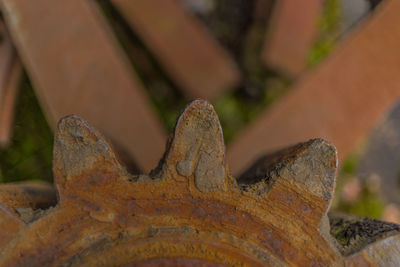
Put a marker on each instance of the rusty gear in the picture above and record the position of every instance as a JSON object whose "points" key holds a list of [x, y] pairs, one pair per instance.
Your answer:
{"points": [[189, 211]]}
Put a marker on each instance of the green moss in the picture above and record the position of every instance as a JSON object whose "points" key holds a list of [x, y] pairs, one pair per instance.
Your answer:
{"points": [[29, 156], [353, 232], [236, 112], [369, 204], [350, 165], [328, 28], [339, 227]]}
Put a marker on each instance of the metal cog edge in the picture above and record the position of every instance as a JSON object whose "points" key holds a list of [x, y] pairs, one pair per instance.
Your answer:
{"points": [[189, 211]]}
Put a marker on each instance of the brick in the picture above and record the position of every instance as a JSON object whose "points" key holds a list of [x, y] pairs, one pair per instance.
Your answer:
{"points": [[291, 33], [77, 66], [197, 63], [340, 101]]}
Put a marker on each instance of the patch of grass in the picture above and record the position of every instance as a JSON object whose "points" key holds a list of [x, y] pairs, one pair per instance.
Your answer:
{"points": [[235, 112], [29, 157], [328, 28], [368, 203], [351, 164]]}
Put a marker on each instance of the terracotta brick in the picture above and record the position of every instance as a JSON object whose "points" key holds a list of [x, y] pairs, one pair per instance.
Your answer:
{"points": [[77, 66], [291, 33], [340, 101], [200, 66]]}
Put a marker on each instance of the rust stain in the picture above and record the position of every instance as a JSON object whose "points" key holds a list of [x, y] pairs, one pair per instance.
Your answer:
{"points": [[106, 216]]}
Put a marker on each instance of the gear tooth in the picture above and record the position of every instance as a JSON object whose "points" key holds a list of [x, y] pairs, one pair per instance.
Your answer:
{"points": [[80, 149], [14, 197], [383, 252], [198, 149], [11, 225], [33, 195], [363, 239], [307, 170]]}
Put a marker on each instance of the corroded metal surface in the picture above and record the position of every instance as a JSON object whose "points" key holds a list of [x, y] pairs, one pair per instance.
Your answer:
{"points": [[189, 211]]}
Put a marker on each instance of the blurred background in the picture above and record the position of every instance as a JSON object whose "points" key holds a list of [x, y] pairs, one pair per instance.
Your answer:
{"points": [[277, 73]]}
